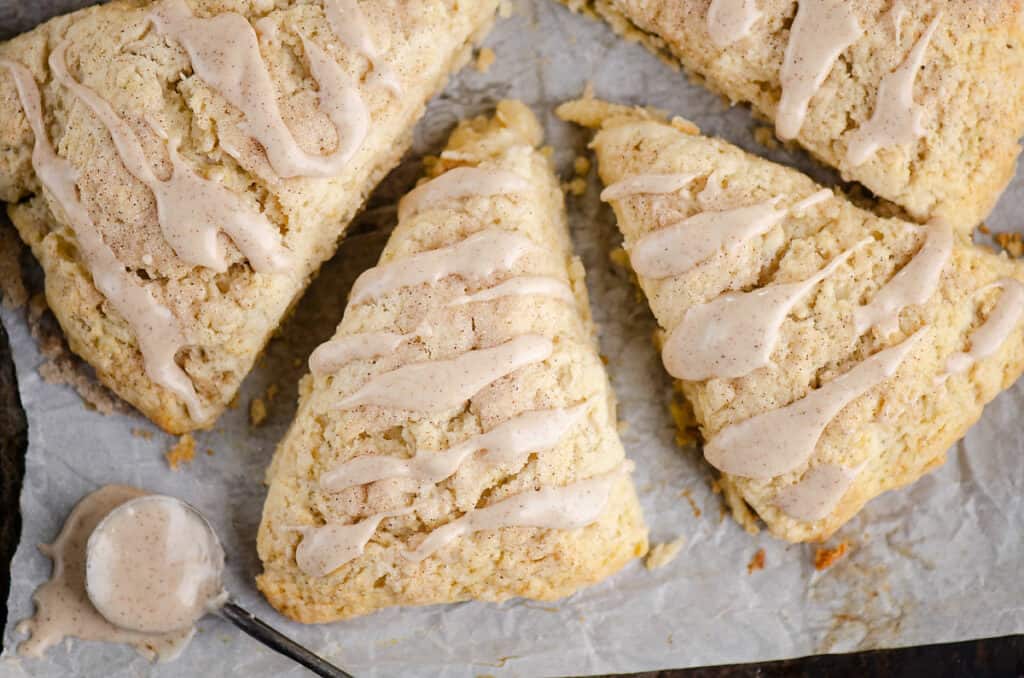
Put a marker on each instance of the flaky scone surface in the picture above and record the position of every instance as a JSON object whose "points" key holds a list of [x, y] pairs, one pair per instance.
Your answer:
{"points": [[894, 433], [226, 317], [970, 88], [492, 565]]}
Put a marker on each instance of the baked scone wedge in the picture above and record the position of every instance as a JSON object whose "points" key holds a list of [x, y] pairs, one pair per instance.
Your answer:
{"points": [[456, 438], [828, 354], [921, 101], [181, 168]]}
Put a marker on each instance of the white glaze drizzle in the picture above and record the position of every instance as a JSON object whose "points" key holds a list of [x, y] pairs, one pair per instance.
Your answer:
{"points": [[1002, 320], [782, 440], [730, 21], [477, 257], [348, 22], [331, 356], [644, 184], [914, 284], [325, 548], [678, 248], [521, 286], [507, 444], [821, 31], [736, 333], [192, 211], [156, 329], [816, 494], [569, 507], [458, 183], [225, 53], [438, 385], [896, 119]]}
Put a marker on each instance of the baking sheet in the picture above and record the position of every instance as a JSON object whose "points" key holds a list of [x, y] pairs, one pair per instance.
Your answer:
{"points": [[939, 561]]}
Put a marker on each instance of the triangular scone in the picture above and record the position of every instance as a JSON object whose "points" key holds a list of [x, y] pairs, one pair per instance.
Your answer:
{"points": [[457, 437], [185, 166], [829, 354], [919, 100]]}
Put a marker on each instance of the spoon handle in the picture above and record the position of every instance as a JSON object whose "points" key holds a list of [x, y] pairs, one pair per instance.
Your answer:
{"points": [[278, 642]]}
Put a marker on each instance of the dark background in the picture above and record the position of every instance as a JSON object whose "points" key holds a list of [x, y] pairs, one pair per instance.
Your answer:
{"points": [[989, 657]]}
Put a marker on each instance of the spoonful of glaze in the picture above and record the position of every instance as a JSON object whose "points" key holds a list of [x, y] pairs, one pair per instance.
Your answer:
{"points": [[155, 565]]}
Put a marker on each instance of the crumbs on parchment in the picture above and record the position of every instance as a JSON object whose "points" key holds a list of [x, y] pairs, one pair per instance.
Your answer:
{"points": [[1011, 242], [183, 452], [662, 554], [143, 433], [756, 562], [825, 558], [484, 59]]}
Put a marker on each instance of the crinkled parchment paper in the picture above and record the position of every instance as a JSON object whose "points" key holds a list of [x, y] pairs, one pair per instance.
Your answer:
{"points": [[939, 561]]}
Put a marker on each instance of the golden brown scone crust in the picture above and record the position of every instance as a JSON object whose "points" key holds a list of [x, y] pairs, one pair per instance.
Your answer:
{"points": [[227, 317], [493, 565], [899, 430], [971, 87]]}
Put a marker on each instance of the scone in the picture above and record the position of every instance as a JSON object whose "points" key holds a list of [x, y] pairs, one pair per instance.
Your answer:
{"points": [[181, 168], [919, 100], [829, 354], [456, 438]]}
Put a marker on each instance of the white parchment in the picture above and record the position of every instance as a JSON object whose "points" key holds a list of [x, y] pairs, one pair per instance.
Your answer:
{"points": [[939, 561]]}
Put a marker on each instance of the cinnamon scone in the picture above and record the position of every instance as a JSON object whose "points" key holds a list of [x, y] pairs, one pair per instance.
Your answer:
{"points": [[181, 168], [829, 354], [456, 438], [918, 100]]}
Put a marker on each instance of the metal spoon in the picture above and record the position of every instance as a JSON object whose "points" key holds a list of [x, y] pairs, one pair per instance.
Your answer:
{"points": [[211, 556]]}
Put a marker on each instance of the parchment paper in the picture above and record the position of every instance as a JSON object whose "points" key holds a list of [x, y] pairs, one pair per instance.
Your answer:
{"points": [[939, 561]]}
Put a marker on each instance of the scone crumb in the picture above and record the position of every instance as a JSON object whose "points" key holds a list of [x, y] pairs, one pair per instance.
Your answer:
{"points": [[272, 392], [484, 59], [984, 229], [183, 452], [766, 137], [688, 496], [825, 558], [576, 187], [581, 165], [210, 452], [1011, 242], [257, 411], [619, 257], [662, 554], [756, 562], [143, 433]]}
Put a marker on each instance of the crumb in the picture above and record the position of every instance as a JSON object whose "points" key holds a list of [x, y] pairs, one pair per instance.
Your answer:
{"points": [[688, 496], [985, 230], [581, 165], [825, 558], [12, 284], [143, 433], [756, 563], [484, 59], [1011, 242], [547, 151], [209, 452], [662, 554], [683, 125], [766, 137], [577, 186], [257, 411], [272, 392], [619, 257], [183, 452]]}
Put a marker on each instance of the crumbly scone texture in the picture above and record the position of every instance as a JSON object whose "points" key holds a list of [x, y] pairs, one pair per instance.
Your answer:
{"points": [[971, 89], [493, 565], [227, 317], [898, 430]]}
